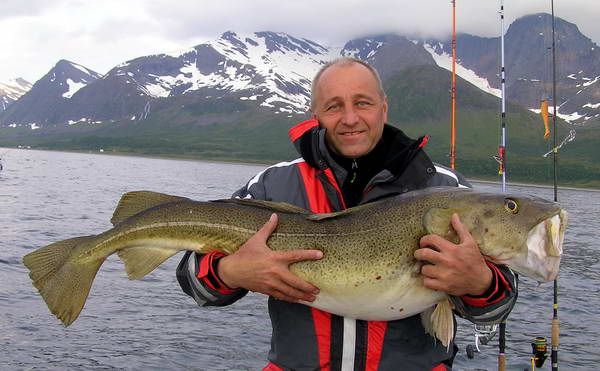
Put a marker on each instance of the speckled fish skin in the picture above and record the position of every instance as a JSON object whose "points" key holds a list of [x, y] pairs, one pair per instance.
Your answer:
{"points": [[368, 270]]}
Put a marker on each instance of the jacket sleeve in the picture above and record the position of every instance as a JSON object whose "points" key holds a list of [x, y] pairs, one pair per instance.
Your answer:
{"points": [[493, 306], [196, 276], [197, 273]]}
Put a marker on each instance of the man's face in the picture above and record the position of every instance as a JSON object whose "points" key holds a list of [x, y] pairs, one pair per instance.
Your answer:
{"points": [[349, 105]]}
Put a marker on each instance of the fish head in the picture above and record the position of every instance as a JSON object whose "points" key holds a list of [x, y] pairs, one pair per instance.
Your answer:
{"points": [[524, 232], [544, 246]]}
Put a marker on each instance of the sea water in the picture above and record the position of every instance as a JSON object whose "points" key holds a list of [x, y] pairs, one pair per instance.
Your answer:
{"points": [[151, 325]]}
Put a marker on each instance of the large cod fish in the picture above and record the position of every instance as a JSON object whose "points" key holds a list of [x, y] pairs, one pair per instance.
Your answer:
{"points": [[368, 270]]}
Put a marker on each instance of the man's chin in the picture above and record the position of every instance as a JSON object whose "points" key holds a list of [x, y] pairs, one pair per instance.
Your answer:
{"points": [[353, 151]]}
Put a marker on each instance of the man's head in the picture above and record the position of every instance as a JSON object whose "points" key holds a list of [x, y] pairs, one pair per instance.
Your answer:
{"points": [[348, 100]]}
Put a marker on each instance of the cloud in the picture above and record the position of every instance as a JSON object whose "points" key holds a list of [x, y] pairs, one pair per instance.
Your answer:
{"points": [[102, 34], [18, 8]]}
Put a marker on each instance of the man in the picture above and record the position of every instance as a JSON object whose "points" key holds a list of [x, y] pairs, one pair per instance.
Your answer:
{"points": [[349, 157]]}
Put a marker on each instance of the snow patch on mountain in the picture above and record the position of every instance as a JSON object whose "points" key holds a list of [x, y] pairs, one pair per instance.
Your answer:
{"points": [[444, 60], [73, 88], [570, 118]]}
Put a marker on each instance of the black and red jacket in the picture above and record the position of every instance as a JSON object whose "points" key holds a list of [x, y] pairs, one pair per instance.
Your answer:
{"points": [[306, 338]]}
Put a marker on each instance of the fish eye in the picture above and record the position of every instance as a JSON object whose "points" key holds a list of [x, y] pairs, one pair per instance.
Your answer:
{"points": [[511, 206]]}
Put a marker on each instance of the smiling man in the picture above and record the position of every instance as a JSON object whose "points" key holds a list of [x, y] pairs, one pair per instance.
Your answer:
{"points": [[349, 157], [349, 103]]}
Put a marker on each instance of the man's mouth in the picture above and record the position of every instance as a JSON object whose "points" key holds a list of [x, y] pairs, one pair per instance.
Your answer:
{"points": [[351, 133]]}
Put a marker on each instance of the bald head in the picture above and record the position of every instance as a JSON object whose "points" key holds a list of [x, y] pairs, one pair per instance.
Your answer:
{"points": [[342, 62]]}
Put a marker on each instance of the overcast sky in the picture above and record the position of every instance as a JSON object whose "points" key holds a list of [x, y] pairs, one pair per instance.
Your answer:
{"points": [[99, 34]]}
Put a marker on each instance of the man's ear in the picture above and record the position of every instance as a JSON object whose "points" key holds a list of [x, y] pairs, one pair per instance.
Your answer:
{"points": [[385, 109]]}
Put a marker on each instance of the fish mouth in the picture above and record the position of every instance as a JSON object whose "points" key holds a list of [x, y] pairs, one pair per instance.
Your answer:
{"points": [[544, 249]]}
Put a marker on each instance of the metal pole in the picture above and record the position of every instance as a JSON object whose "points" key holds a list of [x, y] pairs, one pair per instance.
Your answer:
{"points": [[453, 90]]}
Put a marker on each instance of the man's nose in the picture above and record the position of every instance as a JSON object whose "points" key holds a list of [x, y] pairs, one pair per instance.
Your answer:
{"points": [[350, 116]]}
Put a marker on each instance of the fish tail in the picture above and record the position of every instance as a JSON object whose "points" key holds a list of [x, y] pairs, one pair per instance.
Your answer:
{"points": [[63, 282], [141, 260]]}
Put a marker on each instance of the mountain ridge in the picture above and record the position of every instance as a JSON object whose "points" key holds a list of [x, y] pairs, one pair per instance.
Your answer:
{"points": [[199, 100]]}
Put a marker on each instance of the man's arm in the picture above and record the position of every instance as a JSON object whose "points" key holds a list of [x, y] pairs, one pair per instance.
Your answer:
{"points": [[221, 280]]}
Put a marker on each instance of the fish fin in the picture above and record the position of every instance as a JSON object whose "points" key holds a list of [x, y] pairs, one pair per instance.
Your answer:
{"points": [[442, 322], [132, 203], [439, 221], [63, 283], [141, 260], [350, 211], [281, 207]]}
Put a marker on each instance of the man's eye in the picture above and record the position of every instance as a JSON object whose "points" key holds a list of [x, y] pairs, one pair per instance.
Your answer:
{"points": [[332, 107], [363, 104]]}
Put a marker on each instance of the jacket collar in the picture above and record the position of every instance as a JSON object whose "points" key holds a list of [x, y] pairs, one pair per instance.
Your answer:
{"points": [[309, 140]]}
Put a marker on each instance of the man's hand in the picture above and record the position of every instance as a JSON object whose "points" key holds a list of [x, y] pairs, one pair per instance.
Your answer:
{"points": [[455, 269], [256, 267]]}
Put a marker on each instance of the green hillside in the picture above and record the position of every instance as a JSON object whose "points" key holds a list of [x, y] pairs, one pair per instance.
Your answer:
{"points": [[419, 100]]}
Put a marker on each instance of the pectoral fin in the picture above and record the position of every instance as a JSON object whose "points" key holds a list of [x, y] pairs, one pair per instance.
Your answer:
{"points": [[439, 221], [439, 322]]}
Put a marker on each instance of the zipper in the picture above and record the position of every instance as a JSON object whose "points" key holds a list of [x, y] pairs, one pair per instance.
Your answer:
{"points": [[354, 171]]}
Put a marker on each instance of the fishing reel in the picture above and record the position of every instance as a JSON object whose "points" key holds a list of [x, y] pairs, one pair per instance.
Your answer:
{"points": [[540, 352], [483, 335]]}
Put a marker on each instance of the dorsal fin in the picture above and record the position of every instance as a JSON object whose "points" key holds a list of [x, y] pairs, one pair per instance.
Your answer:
{"points": [[281, 207], [352, 210], [132, 203]]}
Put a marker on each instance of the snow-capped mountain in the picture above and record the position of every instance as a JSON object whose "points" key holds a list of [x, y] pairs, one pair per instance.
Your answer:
{"points": [[273, 69], [12, 90], [273, 72], [268, 70], [49, 97], [528, 62]]}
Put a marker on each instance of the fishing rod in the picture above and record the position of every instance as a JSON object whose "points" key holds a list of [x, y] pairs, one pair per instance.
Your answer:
{"points": [[539, 345], [502, 172], [453, 91], [483, 334], [555, 323]]}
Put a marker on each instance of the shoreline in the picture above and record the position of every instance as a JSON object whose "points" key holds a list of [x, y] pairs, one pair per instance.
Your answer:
{"points": [[259, 163], [534, 185]]}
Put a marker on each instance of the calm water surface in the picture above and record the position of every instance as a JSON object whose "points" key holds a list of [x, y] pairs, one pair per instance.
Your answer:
{"points": [[151, 325]]}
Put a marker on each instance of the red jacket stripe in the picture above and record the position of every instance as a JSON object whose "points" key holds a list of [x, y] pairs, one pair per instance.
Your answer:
{"points": [[317, 198], [272, 367], [500, 280], [322, 321], [319, 203], [297, 131], [331, 179], [376, 333]]}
